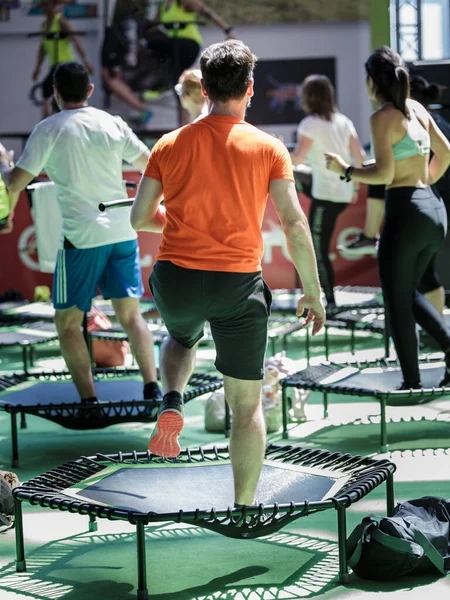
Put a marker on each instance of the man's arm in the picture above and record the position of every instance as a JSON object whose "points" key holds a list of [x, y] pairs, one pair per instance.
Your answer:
{"points": [[141, 162], [200, 7], [296, 229], [147, 214], [15, 178]]}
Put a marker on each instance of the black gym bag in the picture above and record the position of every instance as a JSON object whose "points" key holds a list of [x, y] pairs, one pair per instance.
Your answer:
{"points": [[415, 539]]}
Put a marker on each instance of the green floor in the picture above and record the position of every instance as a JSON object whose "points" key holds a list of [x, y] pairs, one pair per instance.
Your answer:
{"points": [[67, 562]]}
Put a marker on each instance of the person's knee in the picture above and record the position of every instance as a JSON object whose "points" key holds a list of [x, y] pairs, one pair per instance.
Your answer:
{"points": [[68, 322]]}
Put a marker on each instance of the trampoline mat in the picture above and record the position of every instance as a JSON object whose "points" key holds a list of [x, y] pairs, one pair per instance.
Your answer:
{"points": [[33, 310], [46, 393], [169, 488], [287, 299], [387, 379], [22, 336]]}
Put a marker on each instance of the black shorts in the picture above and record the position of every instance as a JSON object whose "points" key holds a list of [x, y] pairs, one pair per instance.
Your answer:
{"points": [[114, 48], [376, 191], [237, 306], [47, 84]]}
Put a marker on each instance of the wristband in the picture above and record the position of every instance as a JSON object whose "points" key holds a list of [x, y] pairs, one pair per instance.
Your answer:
{"points": [[347, 176], [228, 29]]}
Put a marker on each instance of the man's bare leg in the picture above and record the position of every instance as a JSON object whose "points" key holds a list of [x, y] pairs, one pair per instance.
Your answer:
{"points": [[141, 340], [176, 365], [74, 350], [248, 436]]}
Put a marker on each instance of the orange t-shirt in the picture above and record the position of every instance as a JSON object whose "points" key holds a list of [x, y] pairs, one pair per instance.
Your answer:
{"points": [[215, 175]]}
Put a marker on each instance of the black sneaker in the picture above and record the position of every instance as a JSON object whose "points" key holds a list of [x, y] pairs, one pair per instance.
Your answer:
{"points": [[164, 439], [359, 246]]}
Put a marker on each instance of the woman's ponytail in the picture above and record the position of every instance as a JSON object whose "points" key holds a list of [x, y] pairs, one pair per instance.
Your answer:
{"points": [[400, 89]]}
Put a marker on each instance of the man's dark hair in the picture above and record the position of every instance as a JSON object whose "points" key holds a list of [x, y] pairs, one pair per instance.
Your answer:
{"points": [[227, 69], [72, 81]]}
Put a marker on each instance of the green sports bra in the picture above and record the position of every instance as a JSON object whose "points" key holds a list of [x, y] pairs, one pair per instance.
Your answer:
{"points": [[415, 142]]}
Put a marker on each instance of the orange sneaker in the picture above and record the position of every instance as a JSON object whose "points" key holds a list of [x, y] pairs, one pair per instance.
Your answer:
{"points": [[164, 439]]}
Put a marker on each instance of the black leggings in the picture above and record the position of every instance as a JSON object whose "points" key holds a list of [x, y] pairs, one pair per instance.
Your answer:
{"points": [[322, 220], [414, 228]]}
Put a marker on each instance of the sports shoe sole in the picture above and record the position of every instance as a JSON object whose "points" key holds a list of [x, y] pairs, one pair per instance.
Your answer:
{"points": [[164, 441], [357, 252]]}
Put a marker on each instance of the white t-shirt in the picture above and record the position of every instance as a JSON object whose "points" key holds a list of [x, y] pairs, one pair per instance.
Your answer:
{"points": [[82, 150], [328, 136]]}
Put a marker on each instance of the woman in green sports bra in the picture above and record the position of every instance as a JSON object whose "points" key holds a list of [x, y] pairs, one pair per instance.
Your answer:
{"points": [[415, 224]]}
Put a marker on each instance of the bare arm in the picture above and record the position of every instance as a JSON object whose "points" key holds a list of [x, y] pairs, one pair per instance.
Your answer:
{"points": [[141, 162], [357, 151], [441, 153], [40, 60], [67, 28], [382, 172], [15, 178], [147, 214], [299, 155], [296, 229], [203, 9]]}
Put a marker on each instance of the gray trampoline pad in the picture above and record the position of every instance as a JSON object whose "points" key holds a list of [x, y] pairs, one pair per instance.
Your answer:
{"points": [[168, 488], [46, 393], [380, 379]]}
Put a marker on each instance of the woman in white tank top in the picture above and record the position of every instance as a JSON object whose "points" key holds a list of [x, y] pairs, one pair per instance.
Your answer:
{"points": [[325, 127]]}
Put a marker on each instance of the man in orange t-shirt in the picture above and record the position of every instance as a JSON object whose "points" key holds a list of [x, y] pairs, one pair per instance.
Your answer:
{"points": [[216, 174]]}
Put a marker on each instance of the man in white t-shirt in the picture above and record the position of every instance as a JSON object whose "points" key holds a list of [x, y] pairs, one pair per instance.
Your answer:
{"points": [[81, 149]]}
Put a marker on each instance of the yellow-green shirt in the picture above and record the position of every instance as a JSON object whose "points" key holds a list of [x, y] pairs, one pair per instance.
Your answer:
{"points": [[57, 51], [5, 205], [176, 13]]}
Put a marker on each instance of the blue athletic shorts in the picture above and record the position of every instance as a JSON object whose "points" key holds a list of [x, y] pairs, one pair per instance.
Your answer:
{"points": [[114, 268]]}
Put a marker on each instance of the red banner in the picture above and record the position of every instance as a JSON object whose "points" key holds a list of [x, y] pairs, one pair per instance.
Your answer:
{"points": [[20, 268]]}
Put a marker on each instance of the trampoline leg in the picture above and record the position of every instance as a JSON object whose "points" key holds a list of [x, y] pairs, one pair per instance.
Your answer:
{"points": [[308, 348], [325, 405], [14, 440], [25, 359], [284, 407], [327, 345], [342, 544], [386, 338], [21, 565], [390, 498], [352, 341], [93, 525], [285, 343], [142, 593], [23, 421], [383, 431], [272, 346], [227, 420]]}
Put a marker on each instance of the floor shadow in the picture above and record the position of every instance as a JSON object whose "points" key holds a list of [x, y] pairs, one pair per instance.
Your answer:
{"points": [[183, 563]]}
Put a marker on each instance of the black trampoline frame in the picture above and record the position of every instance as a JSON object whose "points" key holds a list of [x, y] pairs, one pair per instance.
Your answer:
{"points": [[279, 328], [27, 346], [202, 383], [248, 522], [339, 321], [383, 397]]}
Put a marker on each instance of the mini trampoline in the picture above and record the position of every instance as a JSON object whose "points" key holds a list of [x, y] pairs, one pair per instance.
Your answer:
{"points": [[32, 311], [347, 297], [26, 336], [197, 488], [279, 328], [370, 320], [53, 396], [377, 379]]}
